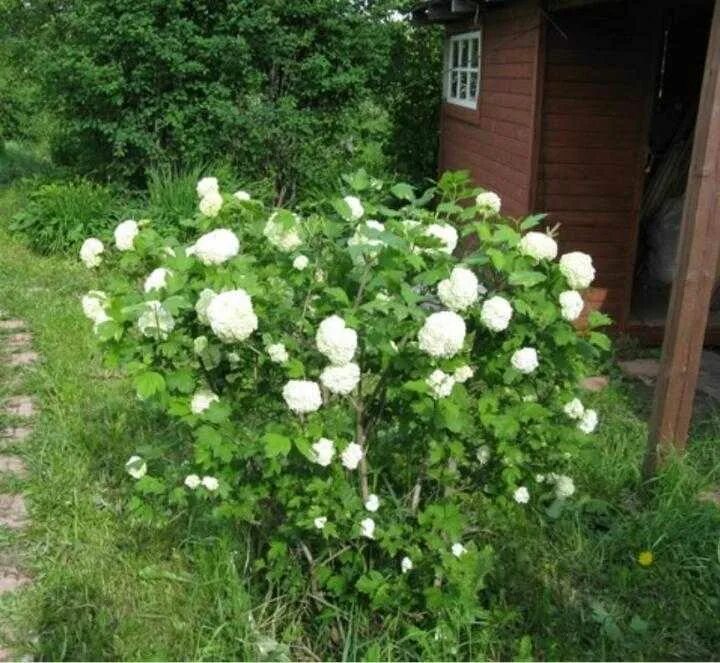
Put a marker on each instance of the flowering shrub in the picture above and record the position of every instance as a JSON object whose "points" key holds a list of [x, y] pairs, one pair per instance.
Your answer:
{"points": [[358, 394]]}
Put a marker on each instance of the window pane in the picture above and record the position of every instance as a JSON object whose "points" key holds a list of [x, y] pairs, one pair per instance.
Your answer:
{"points": [[474, 53], [454, 59], [454, 84], [473, 85], [463, 91], [464, 57]]}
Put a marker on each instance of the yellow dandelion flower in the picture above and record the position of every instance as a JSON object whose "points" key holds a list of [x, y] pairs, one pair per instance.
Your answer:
{"points": [[645, 558]]}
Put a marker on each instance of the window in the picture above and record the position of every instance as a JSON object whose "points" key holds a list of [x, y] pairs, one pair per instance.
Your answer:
{"points": [[462, 81]]}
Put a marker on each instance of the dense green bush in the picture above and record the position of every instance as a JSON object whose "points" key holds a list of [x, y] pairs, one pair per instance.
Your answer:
{"points": [[59, 215], [445, 405]]}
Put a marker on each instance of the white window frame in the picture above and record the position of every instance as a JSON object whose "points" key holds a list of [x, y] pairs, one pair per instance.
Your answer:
{"points": [[462, 40]]}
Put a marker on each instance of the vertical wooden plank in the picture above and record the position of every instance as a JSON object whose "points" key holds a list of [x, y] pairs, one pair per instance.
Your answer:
{"points": [[697, 259], [537, 106]]}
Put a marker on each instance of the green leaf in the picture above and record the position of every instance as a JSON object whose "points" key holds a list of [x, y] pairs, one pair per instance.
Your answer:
{"points": [[597, 319], [403, 191], [276, 445], [149, 383], [531, 221], [526, 279], [600, 340]]}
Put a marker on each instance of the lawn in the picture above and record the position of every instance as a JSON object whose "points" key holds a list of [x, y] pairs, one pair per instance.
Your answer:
{"points": [[106, 587]]}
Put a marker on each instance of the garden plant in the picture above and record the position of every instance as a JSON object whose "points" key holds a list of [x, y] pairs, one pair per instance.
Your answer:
{"points": [[362, 388]]}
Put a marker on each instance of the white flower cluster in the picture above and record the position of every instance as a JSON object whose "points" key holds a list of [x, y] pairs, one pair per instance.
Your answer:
{"points": [[367, 528], [370, 245], [578, 270], [202, 400], [564, 485], [302, 396], [406, 564], [320, 522], [125, 235], [352, 455], [442, 334], [356, 208], [463, 373], [211, 200], [216, 247], [231, 315], [285, 238], [278, 353], [574, 409], [201, 306], [589, 421], [521, 495], [323, 451], [458, 549], [447, 235], [93, 306], [242, 196], [155, 321], [440, 383], [571, 304], [372, 503], [341, 379], [193, 481], [91, 252], [587, 418], [525, 360], [301, 262], [336, 341], [539, 246], [496, 313], [460, 290], [488, 202], [157, 279]]}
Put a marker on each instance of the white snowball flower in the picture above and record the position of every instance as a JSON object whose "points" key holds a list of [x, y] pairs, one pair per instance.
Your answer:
{"points": [[323, 451], [301, 262], [447, 235], [460, 290], [539, 478], [192, 481], [93, 306], [521, 495], [202, 399], [539, 246], [320, 522], [201, 306], [564, 487], [157, 279], [367, 528], [242, 196], [341, 379], [571, 304], [155, 321], [206, 186], [210, 483], [370, 245], [285, 238], [496, 313], [217, 247], [302, 396], [589, 421], [356, 208], [211, 204], [136, 467], [91, 251], [200, 344], [336, 341], [125, 235], [231, 315], [488, 202], [440, 383], [525, 360], [442, 334], [277, 353], [463, 373], [458, 549], [574, 409], [578, 270], [406, 564], [483, 454], [352, 455], [372, 503]]}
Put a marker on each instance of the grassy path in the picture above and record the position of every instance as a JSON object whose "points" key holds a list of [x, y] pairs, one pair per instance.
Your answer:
{"points": [[107, 588]]}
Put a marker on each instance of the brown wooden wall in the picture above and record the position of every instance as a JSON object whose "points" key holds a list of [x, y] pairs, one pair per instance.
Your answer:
{"points": [[595, 106], [495, 142]]}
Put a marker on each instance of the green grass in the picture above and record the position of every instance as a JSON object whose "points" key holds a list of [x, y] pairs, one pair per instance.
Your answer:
{"points": [[108, 588]]}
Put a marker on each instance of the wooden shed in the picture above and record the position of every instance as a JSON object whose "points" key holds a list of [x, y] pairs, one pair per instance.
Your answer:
{"points": [[584, 109]]}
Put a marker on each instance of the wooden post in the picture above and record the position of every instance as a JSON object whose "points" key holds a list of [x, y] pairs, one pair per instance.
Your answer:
{"points": [[698, 250]]}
